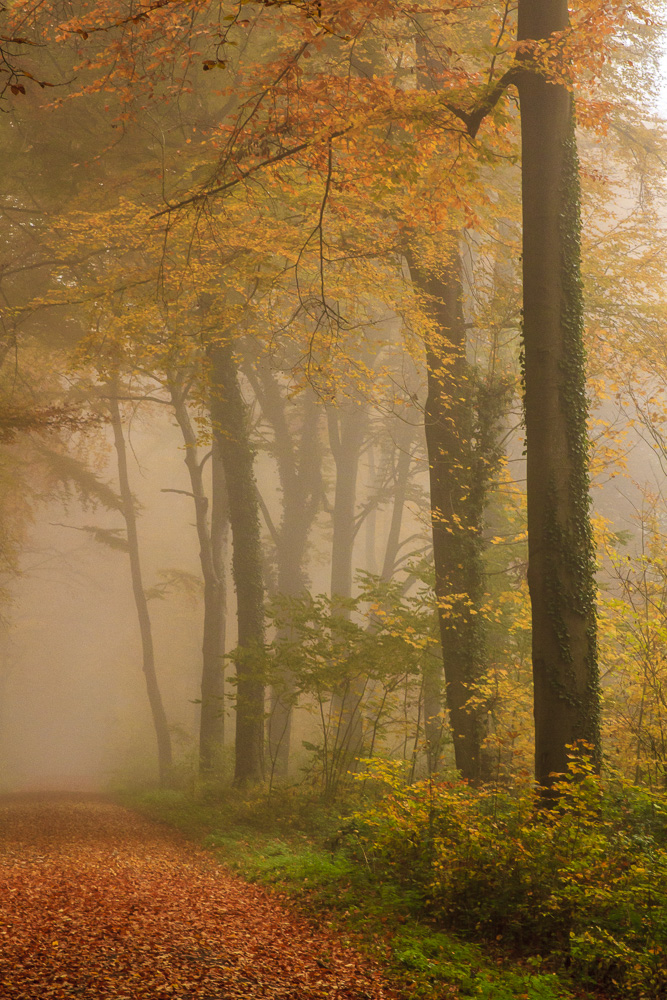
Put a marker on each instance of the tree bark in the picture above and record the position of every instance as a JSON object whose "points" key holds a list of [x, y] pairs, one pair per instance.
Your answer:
{"points": [[561, 558], [347, 427], [219, 550], [301, 501], [457, 509], [211, 545], [432, 709], [402, 467], [298, 456], [231, 435], [162, 733]]}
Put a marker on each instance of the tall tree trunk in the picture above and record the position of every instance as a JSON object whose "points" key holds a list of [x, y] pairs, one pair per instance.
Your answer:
{"points": [[211, 541], [370, 527], [432, 706], [165, 760], [299, 458], [561, 559], [457, 509], [347, 427], [404, 445], [219, 549], [231, 435], [300, 504]]}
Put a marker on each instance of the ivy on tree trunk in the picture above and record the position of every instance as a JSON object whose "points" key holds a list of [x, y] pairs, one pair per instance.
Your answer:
{"points": [[561, 557], [457, 509]]}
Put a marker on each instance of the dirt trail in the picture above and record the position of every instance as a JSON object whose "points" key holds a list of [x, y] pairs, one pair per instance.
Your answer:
{"points": [[98, 902]]}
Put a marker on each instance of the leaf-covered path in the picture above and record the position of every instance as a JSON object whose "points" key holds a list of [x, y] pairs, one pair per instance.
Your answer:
{"points": [[98, 902]]}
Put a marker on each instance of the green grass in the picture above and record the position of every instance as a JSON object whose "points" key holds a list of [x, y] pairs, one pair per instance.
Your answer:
{"points": [[288, 843]]}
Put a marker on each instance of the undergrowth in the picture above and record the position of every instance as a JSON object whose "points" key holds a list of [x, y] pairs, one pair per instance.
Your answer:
{"points": [[303, 849], [581, 885]]}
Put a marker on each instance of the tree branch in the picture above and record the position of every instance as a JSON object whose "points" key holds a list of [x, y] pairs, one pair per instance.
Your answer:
{"points": [[473, 119], [244, 174]]}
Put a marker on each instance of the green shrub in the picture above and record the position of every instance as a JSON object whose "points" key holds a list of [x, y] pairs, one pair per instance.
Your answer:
{"points": [[584, 882]]}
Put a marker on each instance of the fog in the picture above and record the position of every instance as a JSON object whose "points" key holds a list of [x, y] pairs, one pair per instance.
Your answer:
{"points": [[288, 395], [74, 709], [74, 713], [74, 706]]}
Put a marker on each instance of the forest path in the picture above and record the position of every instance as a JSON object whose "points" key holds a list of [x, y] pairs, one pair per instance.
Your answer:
{"points": [[96, 901]]}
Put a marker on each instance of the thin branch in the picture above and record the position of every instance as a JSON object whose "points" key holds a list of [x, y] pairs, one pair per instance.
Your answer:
{"points": [[501, 32], [273, 531], [184, 493], [205, 459], [244, 174]]}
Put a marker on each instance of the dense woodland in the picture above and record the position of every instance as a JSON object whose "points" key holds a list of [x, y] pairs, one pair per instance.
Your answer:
{"points": [[368, 299]]}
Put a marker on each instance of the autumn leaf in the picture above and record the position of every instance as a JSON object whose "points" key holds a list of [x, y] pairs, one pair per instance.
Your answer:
{"points": [[99, 902]]}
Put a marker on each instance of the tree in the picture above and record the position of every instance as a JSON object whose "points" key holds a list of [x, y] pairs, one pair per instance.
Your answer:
{"points": [[342, 167], [130, 516], [231, 435], [298, 455], [561, 568], [212, 537], [462, 424]]}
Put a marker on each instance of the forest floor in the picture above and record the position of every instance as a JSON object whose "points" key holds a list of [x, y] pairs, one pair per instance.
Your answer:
{"points": [[298, 847], [98, 902]]}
